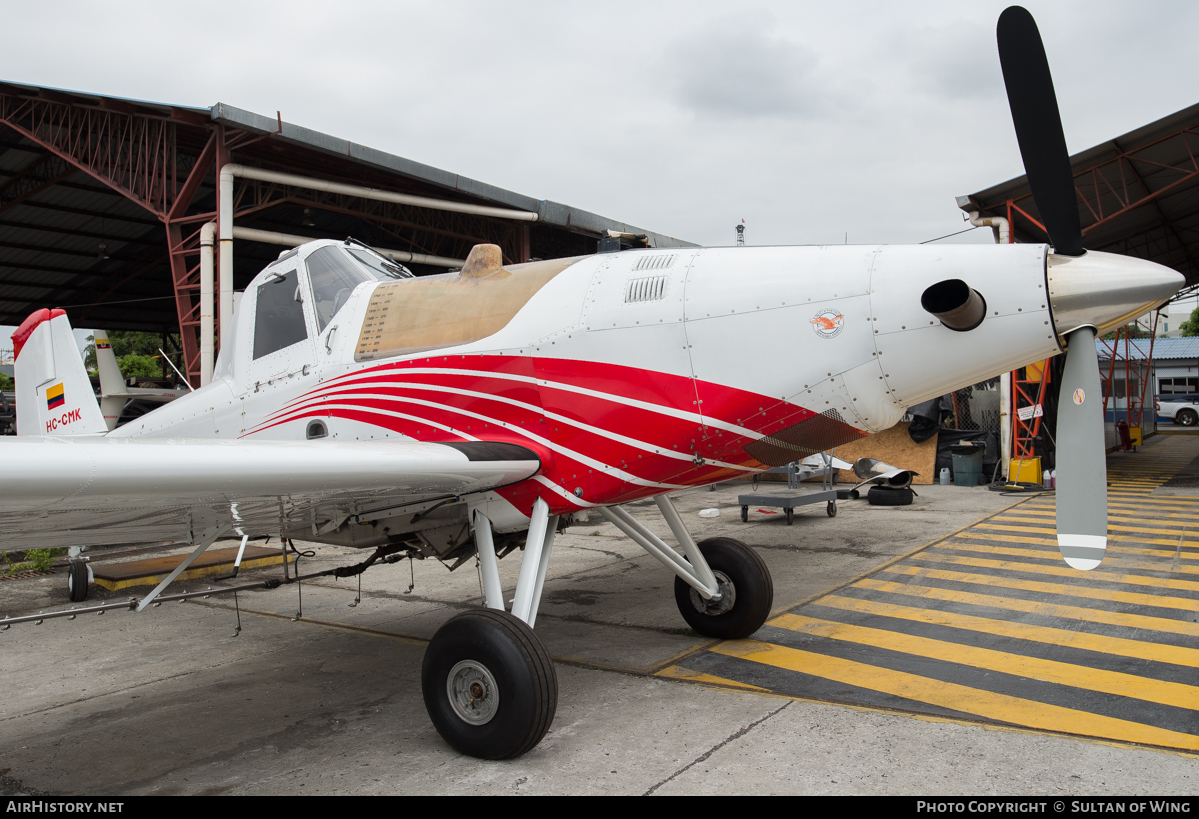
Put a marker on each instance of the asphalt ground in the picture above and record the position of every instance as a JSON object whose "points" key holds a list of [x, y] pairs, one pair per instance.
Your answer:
{"points": [[170, 702]]}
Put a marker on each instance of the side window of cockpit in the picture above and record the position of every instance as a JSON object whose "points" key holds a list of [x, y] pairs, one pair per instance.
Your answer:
{"points": [[334, 276], [279, 315]]}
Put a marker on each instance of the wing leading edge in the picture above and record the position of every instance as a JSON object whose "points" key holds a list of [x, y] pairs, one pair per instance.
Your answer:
{"points": [[103, 491]]}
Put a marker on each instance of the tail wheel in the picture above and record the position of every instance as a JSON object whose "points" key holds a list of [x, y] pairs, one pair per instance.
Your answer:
{"points": [[77, 581], [489, 685], [747, 592]]}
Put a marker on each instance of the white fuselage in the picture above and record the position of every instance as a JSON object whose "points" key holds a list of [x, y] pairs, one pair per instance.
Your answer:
{"points": [[638, 372]]}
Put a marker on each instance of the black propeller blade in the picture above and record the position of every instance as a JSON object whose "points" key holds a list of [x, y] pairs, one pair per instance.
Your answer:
{"points": [[1039, 128]]}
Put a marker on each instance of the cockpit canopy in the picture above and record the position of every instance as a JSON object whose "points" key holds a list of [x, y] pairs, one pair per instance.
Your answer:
{"points": [[298, 294]]}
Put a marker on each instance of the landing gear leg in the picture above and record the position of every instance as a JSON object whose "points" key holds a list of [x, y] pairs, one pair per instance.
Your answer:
{"points": [[488, 681], [723, 588]]}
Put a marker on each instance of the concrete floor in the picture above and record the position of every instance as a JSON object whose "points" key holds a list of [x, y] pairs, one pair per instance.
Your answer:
{"points": [[168, 702]]}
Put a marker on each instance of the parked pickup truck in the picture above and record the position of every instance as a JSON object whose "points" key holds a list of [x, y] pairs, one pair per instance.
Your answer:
{"points": [[1181, 409]]}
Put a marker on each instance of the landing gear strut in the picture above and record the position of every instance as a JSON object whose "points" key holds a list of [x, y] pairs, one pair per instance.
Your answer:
{"points": [[723, 588], [488, 681]]}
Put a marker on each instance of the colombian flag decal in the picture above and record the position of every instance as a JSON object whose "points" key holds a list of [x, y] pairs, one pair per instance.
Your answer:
{"points": [[102, 344], [54, 397]]}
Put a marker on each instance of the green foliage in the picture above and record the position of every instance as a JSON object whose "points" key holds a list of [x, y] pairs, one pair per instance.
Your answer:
{"points": [[35, 560], [132, 342], [6, 383], [1190, 327], [139, 366]]}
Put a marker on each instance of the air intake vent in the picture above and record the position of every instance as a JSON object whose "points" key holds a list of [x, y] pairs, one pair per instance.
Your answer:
{"points": [[651, 288], [654, 262]]}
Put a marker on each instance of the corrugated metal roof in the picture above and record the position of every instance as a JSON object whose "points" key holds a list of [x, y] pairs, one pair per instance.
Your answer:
{"points": [[50, 233], [1164, 349], [548, 211], [1138, 194]]}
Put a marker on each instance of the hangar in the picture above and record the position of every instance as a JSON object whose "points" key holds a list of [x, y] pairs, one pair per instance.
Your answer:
{"points": [[1138, 195], [102, 202]]}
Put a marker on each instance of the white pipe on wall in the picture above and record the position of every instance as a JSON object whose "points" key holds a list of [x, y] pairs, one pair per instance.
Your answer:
{"points": [[226, 230], [325, 185], [206, 298], [225, 222], [998, 225], [270, 237]]}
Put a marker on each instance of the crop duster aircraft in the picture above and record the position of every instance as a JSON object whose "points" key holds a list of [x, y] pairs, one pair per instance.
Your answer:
{"points": [[468, 413]]}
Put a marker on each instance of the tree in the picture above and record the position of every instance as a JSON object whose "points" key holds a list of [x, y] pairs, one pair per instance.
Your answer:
{"points": [[6, 383], [1190, 327], [139, 366]]}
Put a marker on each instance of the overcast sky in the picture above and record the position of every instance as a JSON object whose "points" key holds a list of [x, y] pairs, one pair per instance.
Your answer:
{"points": [[809, 121]]}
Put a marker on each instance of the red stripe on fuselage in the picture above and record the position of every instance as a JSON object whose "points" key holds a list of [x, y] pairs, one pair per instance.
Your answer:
{"points": [[423, 389]]}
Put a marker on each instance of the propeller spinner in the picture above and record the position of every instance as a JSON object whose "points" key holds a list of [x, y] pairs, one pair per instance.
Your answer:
{"points": [[1090, 292]]}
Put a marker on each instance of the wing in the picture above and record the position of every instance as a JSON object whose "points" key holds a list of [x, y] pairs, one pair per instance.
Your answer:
{"points": [[103, 491]]}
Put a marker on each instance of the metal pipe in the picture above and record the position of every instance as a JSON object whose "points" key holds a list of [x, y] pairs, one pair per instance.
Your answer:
{"points": [[1005, 422], [207, 330], [270, 237], [225, 232], [530, 564], [311, 183], [999, 226], [493, 593]]}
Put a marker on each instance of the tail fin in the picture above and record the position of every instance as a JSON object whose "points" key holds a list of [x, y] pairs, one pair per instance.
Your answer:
{"points": [[111, 380], [113, 392], [54, 396]]}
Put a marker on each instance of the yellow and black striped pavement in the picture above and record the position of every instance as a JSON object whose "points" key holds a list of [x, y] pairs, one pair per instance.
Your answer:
{"points": [[990, 625]]}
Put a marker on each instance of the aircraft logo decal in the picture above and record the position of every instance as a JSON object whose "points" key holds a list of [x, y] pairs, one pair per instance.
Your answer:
{"points": [[55, 397], [102, 344], [1079, 396], [827, 323]]}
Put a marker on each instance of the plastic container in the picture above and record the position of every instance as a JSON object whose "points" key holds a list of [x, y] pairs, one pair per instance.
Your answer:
{"points": [[709, 513], [967, 464], [944, 476], [1053, 479], [1047, 479]]}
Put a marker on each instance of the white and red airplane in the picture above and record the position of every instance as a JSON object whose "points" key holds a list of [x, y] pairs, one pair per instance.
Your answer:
{"points": [[466, 413]]}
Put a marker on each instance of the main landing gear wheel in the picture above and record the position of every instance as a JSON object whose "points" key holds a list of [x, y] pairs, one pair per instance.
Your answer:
{"points": [[77, 581], [489, 685], [747, 592]]}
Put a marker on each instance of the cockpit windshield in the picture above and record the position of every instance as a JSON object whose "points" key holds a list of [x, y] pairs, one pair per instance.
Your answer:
{"points": [[389, 269], [334, 276]]}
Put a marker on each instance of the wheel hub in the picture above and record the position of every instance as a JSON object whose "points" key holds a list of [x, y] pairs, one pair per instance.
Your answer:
{"points": [[473, 693], [715, 608]]}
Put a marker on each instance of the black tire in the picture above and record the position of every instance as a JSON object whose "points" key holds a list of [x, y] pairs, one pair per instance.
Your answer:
{"points": [[744, 574], [1186, 417], [522, 679], [831, 509], [887, 496], [790, 516], [77, 581], [745, 514]]}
